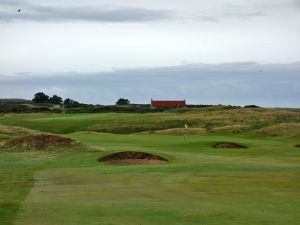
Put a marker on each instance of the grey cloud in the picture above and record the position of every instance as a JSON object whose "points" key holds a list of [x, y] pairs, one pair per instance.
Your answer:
{"points": [[34, 12], [296, 3], [273, 85], [241, 11], [230, 11], [96, 13]]}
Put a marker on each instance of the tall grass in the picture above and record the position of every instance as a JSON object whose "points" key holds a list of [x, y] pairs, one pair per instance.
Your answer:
{"points": [[217, 120]]}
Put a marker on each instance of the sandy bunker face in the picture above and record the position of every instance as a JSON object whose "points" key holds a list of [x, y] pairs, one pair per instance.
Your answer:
{"points": [[41, 141], [228, 145], [133, 157]]}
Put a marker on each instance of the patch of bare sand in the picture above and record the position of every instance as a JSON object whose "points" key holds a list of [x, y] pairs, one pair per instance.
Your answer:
{"points": [[133, 157], [228, 145]]}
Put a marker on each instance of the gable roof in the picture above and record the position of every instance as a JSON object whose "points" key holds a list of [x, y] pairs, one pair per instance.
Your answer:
{"points": [[168, 103]]}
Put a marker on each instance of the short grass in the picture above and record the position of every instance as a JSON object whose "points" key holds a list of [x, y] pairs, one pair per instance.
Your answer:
{"points": [[201, 185]]}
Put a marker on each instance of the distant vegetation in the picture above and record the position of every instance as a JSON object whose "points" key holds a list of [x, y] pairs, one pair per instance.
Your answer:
{"points": [[123, 101], [40, 97], [14, 101], [71, 103], [266, 122], [251, 106], [41, 102]]}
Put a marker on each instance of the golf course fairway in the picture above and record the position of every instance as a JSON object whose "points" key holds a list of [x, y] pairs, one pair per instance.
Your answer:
{"points": [[199, 184]]}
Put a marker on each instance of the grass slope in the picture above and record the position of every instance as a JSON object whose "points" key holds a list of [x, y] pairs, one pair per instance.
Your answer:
{"points": [[212, 120]]}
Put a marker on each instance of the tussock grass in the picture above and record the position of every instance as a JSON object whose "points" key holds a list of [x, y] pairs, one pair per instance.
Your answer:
{"points": [[228, 129], [283, 129], [15, 131], [211, 120], [44, 142]]}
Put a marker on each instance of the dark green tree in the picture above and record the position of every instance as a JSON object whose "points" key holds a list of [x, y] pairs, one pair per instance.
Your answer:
{"points": [[123, 101], [40, 97], [55, 100], [70, 102]]}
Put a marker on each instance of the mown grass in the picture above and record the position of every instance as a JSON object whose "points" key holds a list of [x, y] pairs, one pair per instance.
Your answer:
{"points": [[200, 184]]}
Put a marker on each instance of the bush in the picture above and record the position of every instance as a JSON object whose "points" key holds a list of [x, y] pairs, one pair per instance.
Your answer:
{"points": [[123, 101], [251, 106]]}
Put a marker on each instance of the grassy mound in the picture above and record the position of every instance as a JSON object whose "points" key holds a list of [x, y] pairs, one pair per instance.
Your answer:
{"points": [[42, 141], [132, 157], [15, 131], [282, 129], [228, 145]]}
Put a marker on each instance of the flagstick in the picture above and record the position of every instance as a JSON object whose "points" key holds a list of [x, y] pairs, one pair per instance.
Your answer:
{"points": [[185, 126]]}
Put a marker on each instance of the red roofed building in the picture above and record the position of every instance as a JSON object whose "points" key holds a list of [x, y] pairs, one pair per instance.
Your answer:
{"points": [[178, 104]]}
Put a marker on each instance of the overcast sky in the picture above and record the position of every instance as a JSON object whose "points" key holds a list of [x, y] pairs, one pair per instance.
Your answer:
{"points": [[207, 52]]}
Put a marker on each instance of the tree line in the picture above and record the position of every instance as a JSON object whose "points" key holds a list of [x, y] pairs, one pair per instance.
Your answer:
{"points": [[41, 97]]}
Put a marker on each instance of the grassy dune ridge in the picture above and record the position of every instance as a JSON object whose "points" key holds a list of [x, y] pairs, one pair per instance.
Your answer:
{"points": [[200, 185], [239, 120]]}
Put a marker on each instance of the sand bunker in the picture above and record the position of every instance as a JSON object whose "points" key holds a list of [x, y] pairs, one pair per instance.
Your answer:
{"points": [[42, 141], [132, 157], [228, 145]]}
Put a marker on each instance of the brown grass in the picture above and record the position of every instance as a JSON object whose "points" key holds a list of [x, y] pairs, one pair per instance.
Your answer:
{"points": [[283, 129], [228, 129], [13, 130], [41, 141], [240, 120]]}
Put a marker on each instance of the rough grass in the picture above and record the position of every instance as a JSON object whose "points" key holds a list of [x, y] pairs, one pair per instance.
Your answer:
{"points": [[239, 120], [14, 131], [45, 142], [282, 129], [41, 142]]}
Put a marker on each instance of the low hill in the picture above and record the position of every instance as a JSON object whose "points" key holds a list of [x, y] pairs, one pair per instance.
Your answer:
{"points": [[14, 101], [260, 121]]}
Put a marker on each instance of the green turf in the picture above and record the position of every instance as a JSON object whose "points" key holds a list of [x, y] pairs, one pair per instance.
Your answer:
{"points": [[105, 122], [200, 186]]}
